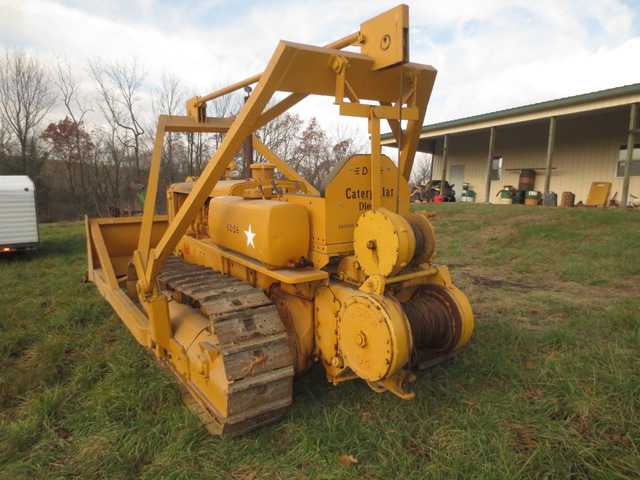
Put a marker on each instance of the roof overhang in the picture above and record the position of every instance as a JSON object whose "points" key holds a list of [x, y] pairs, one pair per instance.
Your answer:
{"points": [[579, 104]]}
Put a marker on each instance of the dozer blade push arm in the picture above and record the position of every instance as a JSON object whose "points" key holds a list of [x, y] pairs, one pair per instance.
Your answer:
{"points": [[166, 123], [241, 127]]}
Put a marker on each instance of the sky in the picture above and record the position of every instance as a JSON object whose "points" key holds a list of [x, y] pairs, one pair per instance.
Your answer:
{"points": [[490, 54]]}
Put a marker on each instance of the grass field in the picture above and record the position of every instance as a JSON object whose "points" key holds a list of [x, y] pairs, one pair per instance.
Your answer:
{"points": [[549, 386]]}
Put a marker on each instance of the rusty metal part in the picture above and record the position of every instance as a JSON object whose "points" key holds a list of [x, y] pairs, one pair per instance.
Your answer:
{"points": [[430, 322], [419, 238], [302, 263], [398, 383], [436, 323], [425, 236], [253, 345]]}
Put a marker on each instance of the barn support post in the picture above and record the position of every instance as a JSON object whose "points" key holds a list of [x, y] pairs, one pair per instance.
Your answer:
{"points": [[445, 160], [633, 118], [492, 138], [550, 148]]}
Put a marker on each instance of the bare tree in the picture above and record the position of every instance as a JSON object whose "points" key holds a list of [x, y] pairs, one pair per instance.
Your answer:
{"points": [[225, 106], [351, 137], [101, 173], [421, 171], [77, 107], [317, 152], [169, 100], [5, 140], [312, 157], [195, 153], [26, 96], [281, 134], [108, 167], [170, 96], [202, 146], [119, 84]]}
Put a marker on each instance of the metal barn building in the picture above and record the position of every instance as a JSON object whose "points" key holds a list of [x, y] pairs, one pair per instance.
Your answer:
{"points": [[570, 143]]}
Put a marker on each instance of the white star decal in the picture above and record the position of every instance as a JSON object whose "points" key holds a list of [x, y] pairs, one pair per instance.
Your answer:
{"points": [[250, 236]]}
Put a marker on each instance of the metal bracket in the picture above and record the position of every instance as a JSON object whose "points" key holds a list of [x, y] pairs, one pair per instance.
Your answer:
{"points": [[340, 65], [386, 38], [398, 384], [197, 109], [374, 284]]}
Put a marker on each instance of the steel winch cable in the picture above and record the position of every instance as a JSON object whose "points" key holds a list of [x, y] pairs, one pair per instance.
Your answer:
{"points": [[430, 321]]}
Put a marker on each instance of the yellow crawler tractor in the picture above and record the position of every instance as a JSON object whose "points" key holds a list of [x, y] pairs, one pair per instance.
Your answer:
{"points": [[244, 285]]}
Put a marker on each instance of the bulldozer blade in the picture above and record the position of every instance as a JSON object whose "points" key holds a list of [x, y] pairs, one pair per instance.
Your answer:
{"points": [[110, 246]]}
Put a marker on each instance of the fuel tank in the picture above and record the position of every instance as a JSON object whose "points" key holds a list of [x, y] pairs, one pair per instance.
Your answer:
{"points": [[269, 231]]}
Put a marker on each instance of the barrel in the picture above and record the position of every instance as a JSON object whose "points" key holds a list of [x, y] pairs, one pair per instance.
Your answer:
{"points": [[527, 180], [518, 197], [532, 198], [550, 199], [505, 195], [468, 196], [567, 199]]}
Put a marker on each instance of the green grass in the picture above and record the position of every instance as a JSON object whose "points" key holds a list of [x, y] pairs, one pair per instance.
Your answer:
{"points": [[549, 386]]}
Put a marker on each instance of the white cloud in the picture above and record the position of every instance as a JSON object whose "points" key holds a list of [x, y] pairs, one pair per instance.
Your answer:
{"points": [[490, 55], [518, 53]]}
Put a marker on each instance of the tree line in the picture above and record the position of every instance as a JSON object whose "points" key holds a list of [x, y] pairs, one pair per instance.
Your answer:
{"points": [[94, 158]]}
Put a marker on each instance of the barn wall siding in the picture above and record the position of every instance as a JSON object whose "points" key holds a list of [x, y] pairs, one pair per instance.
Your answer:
{"points": [[586, 150]]}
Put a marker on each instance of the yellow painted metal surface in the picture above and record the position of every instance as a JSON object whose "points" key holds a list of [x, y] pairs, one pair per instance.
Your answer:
{"points": [[385, 38], [262, 171], [239, 187], [274, 233], [191, 333], [205, 252], [113, 240], [349, 194], [373, 336], [346, 195], [384, 242], [296, 309], [598, 194], [303, 70]]}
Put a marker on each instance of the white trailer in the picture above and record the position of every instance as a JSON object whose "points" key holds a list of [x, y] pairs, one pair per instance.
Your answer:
{"points": [[18, 218]]}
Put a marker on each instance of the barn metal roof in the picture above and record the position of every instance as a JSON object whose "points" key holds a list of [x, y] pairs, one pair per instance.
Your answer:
{"points": [[614, 97]]}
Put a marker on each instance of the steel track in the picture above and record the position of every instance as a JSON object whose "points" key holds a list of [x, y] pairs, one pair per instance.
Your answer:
{"points": [[248, 328]]}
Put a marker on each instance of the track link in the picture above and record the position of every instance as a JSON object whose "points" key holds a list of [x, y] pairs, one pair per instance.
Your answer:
{"points": [[252, 342]]}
